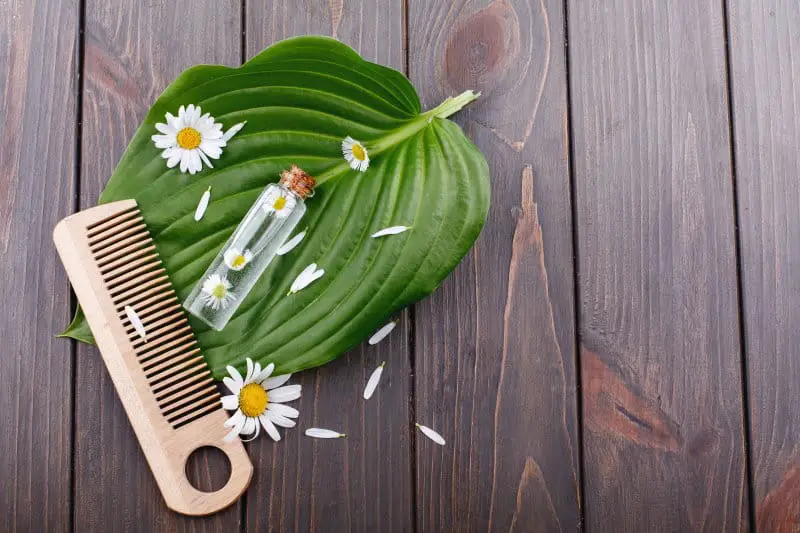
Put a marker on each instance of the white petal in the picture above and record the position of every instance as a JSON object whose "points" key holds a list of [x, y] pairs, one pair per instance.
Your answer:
{"points": [[174, 157], [394, 230], [202, 205], [232, 385], [234, 373], [184, 161], [250, 425], [236, 420], [163, 141], [373, 381], [267, 372], [285, 394], [270, 428], [382, 333], [230, 402], [431, 434], [283, 410], [277, 381], [231, 435], [233, 131], [249, 375], [194, 162], [204, 159], [280, 420], [257, 427], [136, 322], [319, 433], [304, 278], [211, 148], [166, 129], [291, 244]]}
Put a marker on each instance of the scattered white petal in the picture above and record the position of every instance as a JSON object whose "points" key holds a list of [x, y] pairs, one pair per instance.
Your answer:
{"points": [[202, 205], [319, 433], [382, 333], [431, 434], [308, 276], [233, 131], [136, 322], [291, 244], [372, 383], [394, 230]]}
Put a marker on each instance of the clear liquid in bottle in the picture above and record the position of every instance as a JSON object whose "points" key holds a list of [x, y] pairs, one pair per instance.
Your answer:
{"points": [[250, 249]]}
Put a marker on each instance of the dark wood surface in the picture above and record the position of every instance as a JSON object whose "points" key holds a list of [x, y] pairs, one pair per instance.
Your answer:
{"points": [[492, 345], [765, 69], [663, 442], [617, 353]]}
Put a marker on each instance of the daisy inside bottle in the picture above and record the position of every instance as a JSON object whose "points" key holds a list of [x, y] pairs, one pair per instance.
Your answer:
{"points": [[250, 249]]}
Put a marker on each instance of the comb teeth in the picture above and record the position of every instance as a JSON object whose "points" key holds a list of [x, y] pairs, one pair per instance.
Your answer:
{"points": [[169, 355]]}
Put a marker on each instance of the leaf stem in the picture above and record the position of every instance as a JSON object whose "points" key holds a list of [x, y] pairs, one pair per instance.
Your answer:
{"points": [[450, 106]]}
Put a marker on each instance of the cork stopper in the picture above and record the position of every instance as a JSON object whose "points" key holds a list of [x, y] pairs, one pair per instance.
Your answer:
{"points": [[298, 181]]}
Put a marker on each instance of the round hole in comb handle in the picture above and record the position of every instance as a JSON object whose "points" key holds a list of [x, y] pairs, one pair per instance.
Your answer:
{"points": [[208, 469]]}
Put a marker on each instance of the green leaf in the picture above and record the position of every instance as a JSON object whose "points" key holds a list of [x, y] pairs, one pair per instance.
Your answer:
{"points": [[300, 98], [78, 329]]}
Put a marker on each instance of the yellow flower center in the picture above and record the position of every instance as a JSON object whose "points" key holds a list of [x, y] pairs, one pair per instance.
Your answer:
{"points": [[253, 400], [279, 203], [189, 138], [219, 291], [238, 261], [359, 152]]}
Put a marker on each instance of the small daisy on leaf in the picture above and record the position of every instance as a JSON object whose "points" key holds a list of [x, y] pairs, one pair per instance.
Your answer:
{"points": [[355, 154]]}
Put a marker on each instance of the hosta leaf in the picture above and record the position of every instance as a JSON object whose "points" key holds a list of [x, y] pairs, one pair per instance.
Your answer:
{"points": [[300, 98]]}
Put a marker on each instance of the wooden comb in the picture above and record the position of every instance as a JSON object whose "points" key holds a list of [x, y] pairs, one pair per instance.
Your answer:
{"points": [[162, 379]]}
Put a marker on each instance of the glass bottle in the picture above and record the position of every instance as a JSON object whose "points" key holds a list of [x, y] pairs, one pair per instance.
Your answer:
{"points": [[250, 249]]}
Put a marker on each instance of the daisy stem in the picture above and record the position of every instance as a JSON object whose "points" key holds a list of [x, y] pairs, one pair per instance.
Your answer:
{"points": [[450, 106]]}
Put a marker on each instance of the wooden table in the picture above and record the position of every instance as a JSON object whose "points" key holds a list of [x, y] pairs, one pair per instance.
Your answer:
{"points": [[619, 352]]}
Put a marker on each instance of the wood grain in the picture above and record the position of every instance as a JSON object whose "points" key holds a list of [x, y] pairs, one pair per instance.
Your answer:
{"points": [[133, 51], [38, 77], [495, 350], [765, 73], [363, 482], [663, 440]]}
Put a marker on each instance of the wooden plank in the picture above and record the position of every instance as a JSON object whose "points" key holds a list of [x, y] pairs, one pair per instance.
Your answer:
{"points": [[38, 76], [660, 355], [495, 348], [765, 72], [133, 51], [363, 482]]}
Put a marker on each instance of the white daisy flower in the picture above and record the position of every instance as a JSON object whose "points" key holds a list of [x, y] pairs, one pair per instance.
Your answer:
{"points": [[259, 401], [279, 202], [355, 154], [216, 292], [235, 259], [192, 139]]}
